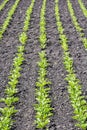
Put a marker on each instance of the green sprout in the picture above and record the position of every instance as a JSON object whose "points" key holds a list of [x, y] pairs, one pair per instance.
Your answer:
{"points": [[76, 24], [83, 8], [11, 90], [43, 102], [74, 88], [3, 4], [8, 19]]}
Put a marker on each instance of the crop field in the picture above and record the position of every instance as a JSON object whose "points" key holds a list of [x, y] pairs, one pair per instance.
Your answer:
{"points": [[43, 64]]}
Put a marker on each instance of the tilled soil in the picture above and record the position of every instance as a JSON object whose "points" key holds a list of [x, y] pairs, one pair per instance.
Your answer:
{"points": [[85, 3], [3, 12], [63, 112], [77, 50], [80, 16]]}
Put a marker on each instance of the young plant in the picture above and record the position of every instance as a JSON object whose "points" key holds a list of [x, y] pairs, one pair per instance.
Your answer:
{"points": [[43, 106], [42, 37], [74, 88], [11, 90], [76, 24], [23, 36], [3, 4], [8, 19], [83, 8]]}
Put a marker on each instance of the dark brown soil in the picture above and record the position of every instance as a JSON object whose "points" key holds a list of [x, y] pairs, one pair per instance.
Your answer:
{"points": [[1, 1], [3, 12], [63, 112], [85, 3], [80, 16]]}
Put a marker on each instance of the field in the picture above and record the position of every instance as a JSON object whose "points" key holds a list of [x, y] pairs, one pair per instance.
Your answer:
{"points": [[43, 65]]}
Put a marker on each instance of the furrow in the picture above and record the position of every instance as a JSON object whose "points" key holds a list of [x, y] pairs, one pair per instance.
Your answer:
{"points": [[9, 43], [83, 8], [25, 117], [3, 13], [10, 98], [43, 65], [1, 1], [85, 3], [2, 5], [81, 19], [78, 101], [61, 119], [76, 48], [79, 54], [77, 25], [6, 22]]}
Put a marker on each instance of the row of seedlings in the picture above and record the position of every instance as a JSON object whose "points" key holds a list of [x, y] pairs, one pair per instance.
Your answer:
{"points": [[76, 24], [74, 88], [8, 19], [43, 102], [83, 8], [6, 121], [2, 5]]}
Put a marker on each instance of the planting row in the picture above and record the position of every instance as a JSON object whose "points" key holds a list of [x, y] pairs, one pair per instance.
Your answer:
{"points": [[83, 8], [76, 24], [8, 19], [74, 88], [6, 121], [43, 107], [2, 5]]}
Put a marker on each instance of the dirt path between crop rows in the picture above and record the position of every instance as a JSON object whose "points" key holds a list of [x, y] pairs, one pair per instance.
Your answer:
{"points": [[29, 74], [3, 12], [1, 1], [62, 118], [85, 3], [80, 16], [9, 42], [76, 47], [62, 109]]}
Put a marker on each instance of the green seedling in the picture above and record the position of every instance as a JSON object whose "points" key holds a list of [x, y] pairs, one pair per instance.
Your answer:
{"points": [[76, 24], [43, 106], [11, 90], [83, 8], [3, 4], [74, 88], [8, 19], [42, 37], [23, 38]]}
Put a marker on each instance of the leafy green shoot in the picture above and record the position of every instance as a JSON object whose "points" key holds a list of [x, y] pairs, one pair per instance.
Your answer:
{"points": [[2, 5], [78, 101]]}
